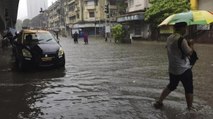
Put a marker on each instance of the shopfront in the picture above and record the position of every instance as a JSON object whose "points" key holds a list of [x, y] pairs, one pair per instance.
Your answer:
{"points": [[138, 28]]}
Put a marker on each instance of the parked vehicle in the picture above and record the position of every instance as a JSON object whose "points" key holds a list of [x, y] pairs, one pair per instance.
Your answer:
{"points": [[37, 48]]}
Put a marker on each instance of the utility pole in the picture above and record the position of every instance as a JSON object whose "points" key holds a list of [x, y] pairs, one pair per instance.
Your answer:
{"points": [[109, 17], [95, 20], [82, 10], [106, 10]]}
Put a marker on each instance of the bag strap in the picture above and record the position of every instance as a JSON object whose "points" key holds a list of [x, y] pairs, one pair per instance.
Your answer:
{"points": [[180, 40]]}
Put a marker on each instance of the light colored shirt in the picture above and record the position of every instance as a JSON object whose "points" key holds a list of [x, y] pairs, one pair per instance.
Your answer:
{"points": [[177, 65]]}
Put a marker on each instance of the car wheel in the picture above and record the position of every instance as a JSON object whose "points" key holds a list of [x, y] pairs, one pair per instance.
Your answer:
{"points": [[21, 65], [61, 65], [16, 57]]}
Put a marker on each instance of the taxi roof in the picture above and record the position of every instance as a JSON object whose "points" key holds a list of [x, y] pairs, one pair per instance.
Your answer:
{"points": [[33, 31]]}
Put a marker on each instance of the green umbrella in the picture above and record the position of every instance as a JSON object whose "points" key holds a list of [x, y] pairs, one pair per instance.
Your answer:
{"points": [[191, 18]]}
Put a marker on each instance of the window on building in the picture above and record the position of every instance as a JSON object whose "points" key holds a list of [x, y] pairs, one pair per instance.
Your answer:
{"points": [[137, 30], [72, 19], [113, 12], [90, 2], [77, 16], [112, 2], [96, 2], [131, 3], [91, 14], [71, 7]]}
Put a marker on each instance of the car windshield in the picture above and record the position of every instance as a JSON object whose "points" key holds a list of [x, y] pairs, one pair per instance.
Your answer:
{"points": [[39, 38]]}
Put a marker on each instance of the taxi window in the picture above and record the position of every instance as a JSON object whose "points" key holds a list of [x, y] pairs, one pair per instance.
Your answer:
{"points": [[30, 38], [38, 38]]}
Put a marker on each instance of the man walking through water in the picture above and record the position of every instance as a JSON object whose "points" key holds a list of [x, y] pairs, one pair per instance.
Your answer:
{"points": [[179, 66]]}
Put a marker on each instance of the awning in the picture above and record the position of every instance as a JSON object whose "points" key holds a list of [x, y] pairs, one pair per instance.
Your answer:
{"points": [[131, 17], [87, 25]]}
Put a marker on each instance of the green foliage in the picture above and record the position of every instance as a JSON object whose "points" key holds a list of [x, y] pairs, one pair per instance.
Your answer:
{"points": [[161, 9], [118, 32], [26, 23], [18, 25], [121, 6]]}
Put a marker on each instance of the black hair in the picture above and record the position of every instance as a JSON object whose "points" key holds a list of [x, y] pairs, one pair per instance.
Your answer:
{"points": [[180, 25]]}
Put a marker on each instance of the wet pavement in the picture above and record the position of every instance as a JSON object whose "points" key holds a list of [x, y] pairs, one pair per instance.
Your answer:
{"points": [[103, 80]]}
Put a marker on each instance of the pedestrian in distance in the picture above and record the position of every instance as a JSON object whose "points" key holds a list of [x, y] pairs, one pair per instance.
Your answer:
{"points": [[179, 67], [75, 37], [85, 38], [56, 31], [106, 37]]}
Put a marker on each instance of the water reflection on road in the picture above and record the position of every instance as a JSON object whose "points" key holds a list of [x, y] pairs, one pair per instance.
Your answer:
{"points": [[105, 81]]}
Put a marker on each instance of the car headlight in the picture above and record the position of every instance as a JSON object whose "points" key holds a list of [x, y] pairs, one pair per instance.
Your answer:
{"points": [[26, 53], [60, 52]]}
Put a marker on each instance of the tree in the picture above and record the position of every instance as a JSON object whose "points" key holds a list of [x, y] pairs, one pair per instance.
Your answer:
{"points": [[18, 24], [161, 9], [26, 23], [118, 32], [121, 6]]}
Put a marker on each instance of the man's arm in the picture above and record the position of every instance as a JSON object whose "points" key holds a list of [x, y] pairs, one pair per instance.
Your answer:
{"points": [[187, 47]]}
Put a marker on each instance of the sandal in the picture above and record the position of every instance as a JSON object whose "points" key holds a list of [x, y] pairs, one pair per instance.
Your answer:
{"points": [[158, 105]]}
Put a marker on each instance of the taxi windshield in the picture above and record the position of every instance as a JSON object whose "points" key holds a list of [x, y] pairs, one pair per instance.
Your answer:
{"points": [[38, 38]]}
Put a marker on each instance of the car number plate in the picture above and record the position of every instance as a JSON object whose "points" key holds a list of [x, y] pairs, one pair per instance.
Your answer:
{"points": [[46, 59]]}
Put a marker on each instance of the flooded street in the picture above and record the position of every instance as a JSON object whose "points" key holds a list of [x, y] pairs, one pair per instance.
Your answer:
{"points": [[104, 80]]}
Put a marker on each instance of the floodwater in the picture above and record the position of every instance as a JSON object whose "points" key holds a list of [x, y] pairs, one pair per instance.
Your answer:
{"points": [[104, 80]]}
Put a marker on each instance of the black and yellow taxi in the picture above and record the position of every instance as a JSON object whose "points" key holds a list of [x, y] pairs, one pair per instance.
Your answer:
{"points": [[38, 48]]}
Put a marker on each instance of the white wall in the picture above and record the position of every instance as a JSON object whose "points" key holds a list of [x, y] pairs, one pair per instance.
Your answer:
{"points": [[206, 5], [136, 5]]}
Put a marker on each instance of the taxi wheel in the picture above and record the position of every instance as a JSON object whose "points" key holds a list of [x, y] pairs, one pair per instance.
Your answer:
{"points": [[61, 65], [21, 65]]}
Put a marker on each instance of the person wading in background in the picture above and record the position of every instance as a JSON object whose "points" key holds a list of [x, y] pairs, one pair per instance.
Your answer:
{"points": [[85, 38], [75, 37]]}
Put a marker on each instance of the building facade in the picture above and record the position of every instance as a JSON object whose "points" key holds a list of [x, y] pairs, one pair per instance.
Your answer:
{"points": [[206, 5], [134, 18], [202, 5], [34, 7], [81, 15], [54, 16], [8, 13], [137, 5]]}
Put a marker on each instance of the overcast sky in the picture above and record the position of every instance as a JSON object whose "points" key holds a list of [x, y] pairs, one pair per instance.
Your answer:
{"points": [[22, 10]]}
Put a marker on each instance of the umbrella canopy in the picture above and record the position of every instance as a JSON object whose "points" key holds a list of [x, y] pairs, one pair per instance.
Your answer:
{"points": [[191, 18]]}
